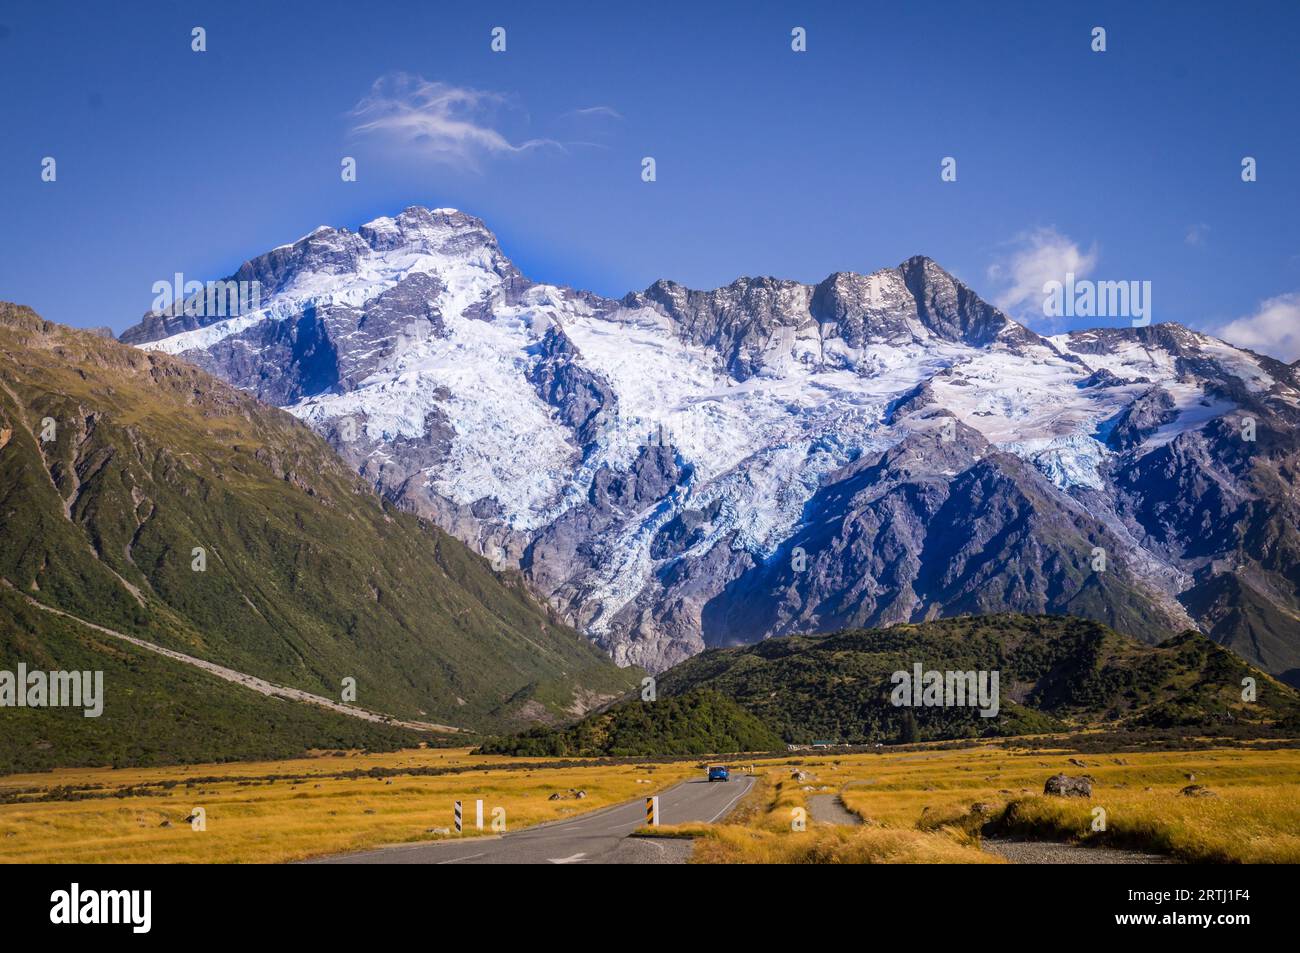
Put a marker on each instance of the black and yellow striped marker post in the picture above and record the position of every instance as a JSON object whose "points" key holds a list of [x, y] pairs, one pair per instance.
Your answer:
{"points": [[459, 822], [652, 811]]}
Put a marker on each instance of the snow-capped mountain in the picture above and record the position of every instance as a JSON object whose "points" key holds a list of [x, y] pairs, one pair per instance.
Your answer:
{"points": [[683, 468]]}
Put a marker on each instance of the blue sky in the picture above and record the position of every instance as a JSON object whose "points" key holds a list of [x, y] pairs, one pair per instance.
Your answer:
{"points": [[1126, 163]]}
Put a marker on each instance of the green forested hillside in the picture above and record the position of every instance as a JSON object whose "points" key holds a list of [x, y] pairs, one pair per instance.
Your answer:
{"points": [[1055, 674], [699, 722]]}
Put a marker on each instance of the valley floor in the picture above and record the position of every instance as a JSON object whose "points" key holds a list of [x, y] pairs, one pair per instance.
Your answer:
{"points": [[936, 806], [922, 805]]}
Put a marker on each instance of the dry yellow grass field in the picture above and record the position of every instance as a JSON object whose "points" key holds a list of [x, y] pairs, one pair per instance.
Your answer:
{"points": [[290, 810], [917, 806], [920, 806]]}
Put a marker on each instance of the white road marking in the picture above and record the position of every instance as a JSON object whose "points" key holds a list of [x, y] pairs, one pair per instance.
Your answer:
{"points": [[582, 822], [457, 860], [727, 807], [627, 827]]}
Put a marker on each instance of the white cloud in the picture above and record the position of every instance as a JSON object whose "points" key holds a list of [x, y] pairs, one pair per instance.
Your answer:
{"points": [[591, 112], [590, 126], [1037, 257], [1196, 234], [1273, 329], [453, 124]]}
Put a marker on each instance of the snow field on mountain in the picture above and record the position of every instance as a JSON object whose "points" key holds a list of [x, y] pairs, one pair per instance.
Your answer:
{"points": [[758, 414]]}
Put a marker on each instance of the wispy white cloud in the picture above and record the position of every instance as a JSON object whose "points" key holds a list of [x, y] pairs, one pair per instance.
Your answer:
{"points": [[452, 124], [1196, 234], [1032, 259], [1273, 329], [590, 126], [594, 112]]}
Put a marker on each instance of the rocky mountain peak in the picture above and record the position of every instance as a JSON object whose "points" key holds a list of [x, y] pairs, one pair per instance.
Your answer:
{"points": [[655, 465], [915, 301], [438, 230]]}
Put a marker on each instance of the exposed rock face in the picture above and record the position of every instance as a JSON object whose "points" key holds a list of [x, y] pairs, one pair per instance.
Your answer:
{"points": [[741, 322], [582, 399], [1143, 418], [681, 468]]}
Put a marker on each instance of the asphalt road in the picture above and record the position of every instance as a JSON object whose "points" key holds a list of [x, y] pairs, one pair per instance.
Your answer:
{"points": [[598, 837], [829, 809]]}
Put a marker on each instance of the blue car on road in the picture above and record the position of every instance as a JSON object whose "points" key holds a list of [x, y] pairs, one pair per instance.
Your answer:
{"points": [[719, 772]]}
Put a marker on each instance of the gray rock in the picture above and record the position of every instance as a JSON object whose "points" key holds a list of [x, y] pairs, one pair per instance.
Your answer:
{"points": [[1062, 785]]}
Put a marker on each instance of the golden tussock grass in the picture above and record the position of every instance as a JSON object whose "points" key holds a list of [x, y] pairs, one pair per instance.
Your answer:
{"points": [[917, 806], [765, 831], [1250, 825], [291, 810], [1253, 815], [929, 806]]}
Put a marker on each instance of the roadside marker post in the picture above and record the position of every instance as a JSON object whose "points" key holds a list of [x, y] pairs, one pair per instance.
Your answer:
{"points": [[459, 823], [478, 814], [652, 811]]}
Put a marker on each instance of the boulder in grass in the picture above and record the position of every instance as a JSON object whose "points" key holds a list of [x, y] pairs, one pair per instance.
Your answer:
{"points": [[1062, 785], [1197, 790]]}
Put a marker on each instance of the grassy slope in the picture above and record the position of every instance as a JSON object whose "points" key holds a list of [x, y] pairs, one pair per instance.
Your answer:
{"points": [[158, 711], [309, 577]]}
